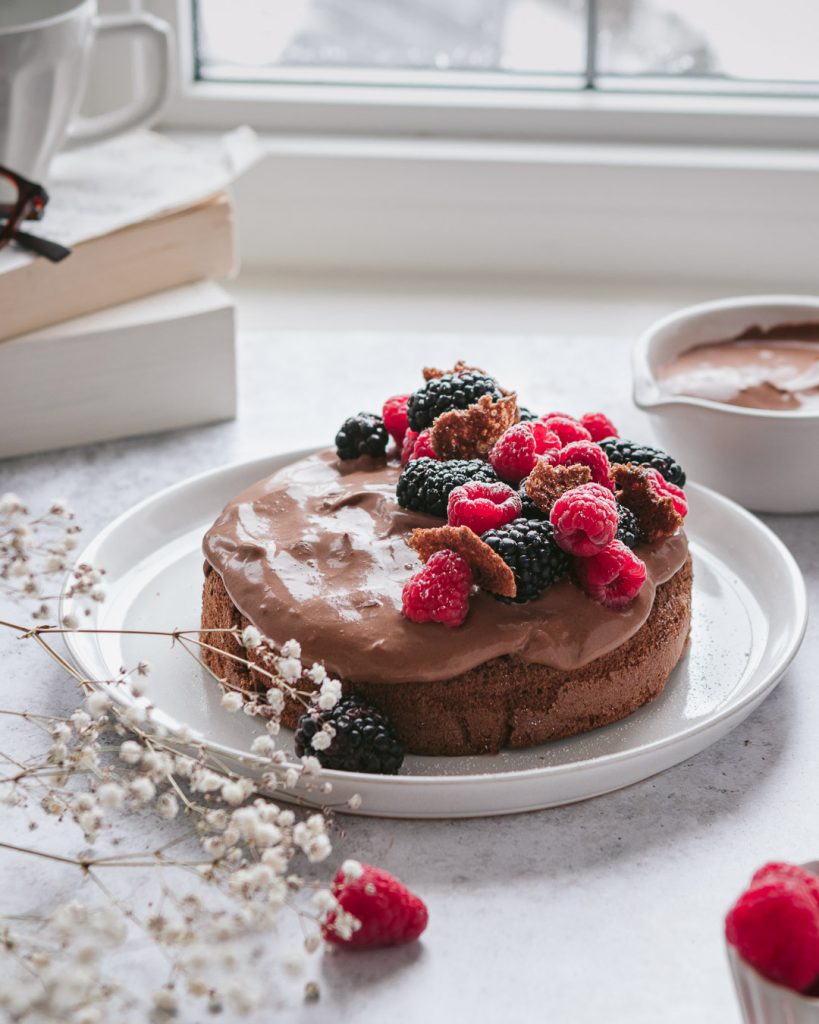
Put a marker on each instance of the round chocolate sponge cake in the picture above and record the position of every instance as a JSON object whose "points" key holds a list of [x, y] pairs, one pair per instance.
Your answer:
{"points": [[319, 552]]}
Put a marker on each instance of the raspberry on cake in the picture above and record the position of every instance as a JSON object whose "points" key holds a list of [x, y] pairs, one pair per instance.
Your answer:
{"points": [[468, 614], [598, 425]]}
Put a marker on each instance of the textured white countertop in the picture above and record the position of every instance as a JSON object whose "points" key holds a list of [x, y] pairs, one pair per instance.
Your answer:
{"points": [[605, 911]]}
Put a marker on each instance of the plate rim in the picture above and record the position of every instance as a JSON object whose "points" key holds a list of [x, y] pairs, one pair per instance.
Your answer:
{"points": [[798, 590]]}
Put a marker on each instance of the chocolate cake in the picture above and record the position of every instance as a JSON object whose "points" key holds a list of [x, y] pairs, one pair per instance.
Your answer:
{"points": [[323, 552]]}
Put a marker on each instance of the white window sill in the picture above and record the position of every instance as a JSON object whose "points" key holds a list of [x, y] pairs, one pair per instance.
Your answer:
{"points": [[659, 214]]}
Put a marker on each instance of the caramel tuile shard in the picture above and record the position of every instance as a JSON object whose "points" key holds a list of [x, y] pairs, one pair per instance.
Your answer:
{"points": [[655, 512], [470, 433], [432, 372], [546, 483], [488, 568]]}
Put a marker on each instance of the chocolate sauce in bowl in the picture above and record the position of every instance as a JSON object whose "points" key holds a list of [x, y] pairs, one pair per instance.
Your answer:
{"points": [[318, 552], [774, 368]]}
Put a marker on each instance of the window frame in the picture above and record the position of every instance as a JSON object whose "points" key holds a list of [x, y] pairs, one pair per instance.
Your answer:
{"points": [[730, 116]]}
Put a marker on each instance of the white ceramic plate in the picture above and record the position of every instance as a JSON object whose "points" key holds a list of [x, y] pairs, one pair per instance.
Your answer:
{"points": [[749, 616]]}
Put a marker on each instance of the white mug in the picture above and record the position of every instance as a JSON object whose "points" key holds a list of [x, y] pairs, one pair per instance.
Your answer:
{"points": [[45, 50]]}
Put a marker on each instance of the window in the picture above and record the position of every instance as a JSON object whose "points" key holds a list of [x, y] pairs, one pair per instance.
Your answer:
{"points": [[744, 47]]}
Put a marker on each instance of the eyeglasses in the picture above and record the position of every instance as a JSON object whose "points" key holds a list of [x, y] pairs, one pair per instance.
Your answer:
{"points": [[21, 200]]}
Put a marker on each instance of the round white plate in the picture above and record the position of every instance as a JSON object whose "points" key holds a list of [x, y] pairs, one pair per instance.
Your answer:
{"points": [[749, 616]]}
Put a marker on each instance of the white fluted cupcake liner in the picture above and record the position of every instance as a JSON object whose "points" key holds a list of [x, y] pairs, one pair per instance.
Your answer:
{"points": [[763, 1002]]}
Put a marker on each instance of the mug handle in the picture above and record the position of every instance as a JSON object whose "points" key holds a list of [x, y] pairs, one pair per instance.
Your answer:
{"points": [[159, 37]]}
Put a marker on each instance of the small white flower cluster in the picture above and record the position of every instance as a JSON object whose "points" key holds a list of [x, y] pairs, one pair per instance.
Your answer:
{"points": [[35, 553]]}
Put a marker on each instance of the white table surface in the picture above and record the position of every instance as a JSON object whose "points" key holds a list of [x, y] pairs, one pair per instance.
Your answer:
{"points": [[605, 911]]}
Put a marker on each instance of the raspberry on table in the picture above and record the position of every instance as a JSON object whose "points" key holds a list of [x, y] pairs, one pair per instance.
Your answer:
{"points": [[774, 926], [793, 872], [422, 448], [619, 450], [364, 434], [666, 488], [482, 506], [364, 740], [585, 453], [528, 547], [388, 913], [407, 446], [585, 519], [425, 484], [394, 415], [514, 454], [450, 391], [567, 428], [598, 425], [440, 591], [613, 577], [628, 531]]}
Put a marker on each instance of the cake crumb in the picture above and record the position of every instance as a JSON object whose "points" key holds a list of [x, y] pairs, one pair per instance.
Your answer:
{"points": [[470, 433], [546, 483], [655, 512], [432, 372], [488, 568]]}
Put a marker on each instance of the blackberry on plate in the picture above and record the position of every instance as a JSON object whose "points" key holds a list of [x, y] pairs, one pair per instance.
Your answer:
{"points": [[365, 740], [529, 549], [529, 509], [629, 529], [620, 450], [526, 415], [452, 391], [425, 484], [364, 434]]}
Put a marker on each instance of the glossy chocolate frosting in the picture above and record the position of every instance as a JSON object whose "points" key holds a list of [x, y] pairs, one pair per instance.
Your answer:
{"points": [[318, 552], [772, 368]]}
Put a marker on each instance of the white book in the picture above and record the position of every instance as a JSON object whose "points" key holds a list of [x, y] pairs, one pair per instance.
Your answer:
{"points": [[153, 364]]}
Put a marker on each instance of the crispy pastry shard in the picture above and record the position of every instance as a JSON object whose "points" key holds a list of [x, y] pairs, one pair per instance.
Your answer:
{"points": [[470, 433], [488, 568], [432, 372], [546, 483], [655, 512]]}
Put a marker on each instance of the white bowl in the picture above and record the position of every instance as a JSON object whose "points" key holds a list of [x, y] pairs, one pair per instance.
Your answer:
{"points": [[766, 460], [764, 1002]]}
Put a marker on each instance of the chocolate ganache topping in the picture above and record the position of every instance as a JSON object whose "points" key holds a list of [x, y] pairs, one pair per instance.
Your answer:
{"points": [[319, 552]]}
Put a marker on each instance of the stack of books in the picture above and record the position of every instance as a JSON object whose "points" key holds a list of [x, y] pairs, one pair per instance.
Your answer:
{"points": [[129, 334]]}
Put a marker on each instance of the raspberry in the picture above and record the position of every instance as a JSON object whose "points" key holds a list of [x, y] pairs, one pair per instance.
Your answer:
{"points": [[528, 548], [667, 489], [620, 450], [585, 519], [364, 740], [363, 434], [567, 428], [482, 506], [597, 424], [440, 591], [774, 926], [388, 912], [425, 484], [613, 576], [515, 453], [394, 415], [450, 391], [793, 872], [422, 448], [585, 453], [407, 446]]}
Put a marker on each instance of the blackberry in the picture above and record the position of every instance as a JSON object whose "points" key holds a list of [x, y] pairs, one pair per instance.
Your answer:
{"points": [[425, 484], [629, 529], [620, 450], [452, 391], [526, 415], [365, 740], [528, 548], [364, 434], [529, 509]]}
